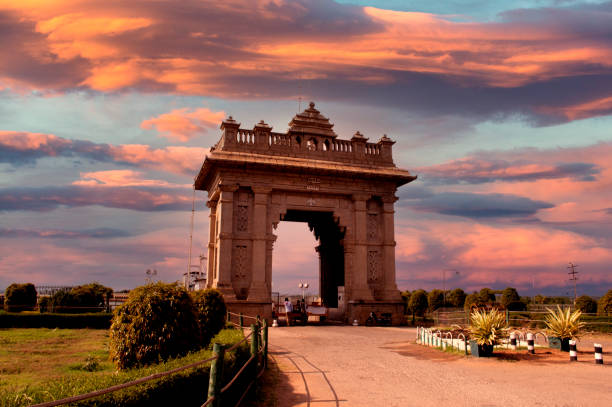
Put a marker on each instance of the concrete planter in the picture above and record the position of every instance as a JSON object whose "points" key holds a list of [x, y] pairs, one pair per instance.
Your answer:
{"points": [[480, 350], [554, 342]]}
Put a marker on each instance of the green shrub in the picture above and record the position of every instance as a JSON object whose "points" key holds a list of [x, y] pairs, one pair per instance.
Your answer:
{"points": [[20, 297], [158, 321], [47, 320], [563, 323], [488, 327], [604, 306], [486, 296], [211, 310], [586, 304]]}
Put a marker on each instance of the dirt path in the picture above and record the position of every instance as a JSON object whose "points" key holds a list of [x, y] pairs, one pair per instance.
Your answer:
{"points": [[358, 366]]}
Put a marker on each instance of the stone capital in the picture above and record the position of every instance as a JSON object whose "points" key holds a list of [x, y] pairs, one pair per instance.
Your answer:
{"points": [[227, 187]]}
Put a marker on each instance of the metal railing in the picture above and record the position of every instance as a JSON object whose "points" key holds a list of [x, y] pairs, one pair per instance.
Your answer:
{"points": [[247, 375]]}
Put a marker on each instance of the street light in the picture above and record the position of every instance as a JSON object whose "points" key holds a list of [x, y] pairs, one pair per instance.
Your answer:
{"points": [[303, 286]]}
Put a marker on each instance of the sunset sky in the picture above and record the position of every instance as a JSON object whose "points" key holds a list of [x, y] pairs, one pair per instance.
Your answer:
{"points": [[502, 108]]}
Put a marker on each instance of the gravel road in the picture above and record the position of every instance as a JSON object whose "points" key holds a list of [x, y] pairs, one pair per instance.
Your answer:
{"points": [[382, 366]]}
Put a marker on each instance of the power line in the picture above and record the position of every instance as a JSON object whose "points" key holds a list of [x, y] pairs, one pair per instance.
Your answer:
{"points": [[573, 277]]}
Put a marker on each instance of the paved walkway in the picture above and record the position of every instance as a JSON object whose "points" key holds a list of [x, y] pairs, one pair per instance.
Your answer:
{"points": [[349, 366]]}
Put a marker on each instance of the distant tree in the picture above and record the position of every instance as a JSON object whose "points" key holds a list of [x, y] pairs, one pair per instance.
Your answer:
{"points": [[406, 298], [586, 304], [604, 306], [456, 297], [471, 300], [92, 297], [509, 295], [557, 300], [539, 299], [20, 297], [435, 299], [418, 303], [486, 295]]}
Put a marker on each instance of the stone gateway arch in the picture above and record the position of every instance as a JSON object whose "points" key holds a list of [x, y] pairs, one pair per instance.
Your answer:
{"points": [[344, 190]]}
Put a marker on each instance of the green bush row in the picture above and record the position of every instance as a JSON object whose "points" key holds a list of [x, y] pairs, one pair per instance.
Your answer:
{"points": [[186, 388], [96, 320]]}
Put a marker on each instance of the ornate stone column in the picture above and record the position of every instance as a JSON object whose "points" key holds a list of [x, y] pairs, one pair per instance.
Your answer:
{"points": [[211, 271], [359, 283], [223, 264], [390, 291], [260, 290]]}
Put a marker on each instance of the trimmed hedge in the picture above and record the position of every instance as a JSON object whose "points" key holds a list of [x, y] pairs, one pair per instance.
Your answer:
{"points": [[96, 320]]}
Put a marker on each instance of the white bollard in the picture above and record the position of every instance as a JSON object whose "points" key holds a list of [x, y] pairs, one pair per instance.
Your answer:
{"points": [[275, 323], [573, 353], [530, 343], [355, 323], [598, 353]]}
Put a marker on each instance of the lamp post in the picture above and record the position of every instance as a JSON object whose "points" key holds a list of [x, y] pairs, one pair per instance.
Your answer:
{"points": [[150, 275], [303, 286]]}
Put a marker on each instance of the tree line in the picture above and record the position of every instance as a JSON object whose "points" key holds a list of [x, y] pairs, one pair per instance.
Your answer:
{"points": [[93, 297], [418, 302]]}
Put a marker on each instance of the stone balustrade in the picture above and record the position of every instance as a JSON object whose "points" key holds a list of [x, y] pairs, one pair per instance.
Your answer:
{"points": [[262, 140]]}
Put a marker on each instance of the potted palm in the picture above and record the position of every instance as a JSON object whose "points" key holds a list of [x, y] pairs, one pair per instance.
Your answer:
{"points": [[487, 328], [562, 325]]}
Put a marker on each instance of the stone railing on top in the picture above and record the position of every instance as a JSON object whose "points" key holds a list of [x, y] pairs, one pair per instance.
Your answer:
{"points": [[300, 144]]}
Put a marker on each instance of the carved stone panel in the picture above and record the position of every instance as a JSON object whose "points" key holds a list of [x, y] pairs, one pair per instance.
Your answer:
{"points": [[373, 266], [242, 218], [373, 221], [240, 258]]}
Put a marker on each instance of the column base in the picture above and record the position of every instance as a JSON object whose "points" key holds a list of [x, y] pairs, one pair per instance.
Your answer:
{"points": [[360, 310], [259, 292]]}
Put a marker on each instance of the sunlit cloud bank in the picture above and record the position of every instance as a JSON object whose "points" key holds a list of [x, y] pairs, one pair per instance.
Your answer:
{"points": [[183, 125], [19, 148], [550, 65]]}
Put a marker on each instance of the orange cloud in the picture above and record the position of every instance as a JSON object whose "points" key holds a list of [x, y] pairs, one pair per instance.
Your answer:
{"points": [[176, 159], [368, 45], [182, 124], [121, 178]]}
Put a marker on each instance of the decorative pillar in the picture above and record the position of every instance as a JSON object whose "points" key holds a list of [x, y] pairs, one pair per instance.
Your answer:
{"points": [[223, 265], [359, 284], [211, 270], [390, 291], [260, 290]]}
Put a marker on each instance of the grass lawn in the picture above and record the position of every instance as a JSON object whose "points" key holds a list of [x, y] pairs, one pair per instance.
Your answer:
{"points": [[40, 364], [29, 358]]}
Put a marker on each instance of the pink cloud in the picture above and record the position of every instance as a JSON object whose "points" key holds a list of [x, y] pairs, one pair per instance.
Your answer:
{"points": [[183, 124], [121, 178], [106, 48], [23, 147]]}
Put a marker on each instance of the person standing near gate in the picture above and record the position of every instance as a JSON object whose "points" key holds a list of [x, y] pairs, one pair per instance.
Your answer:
{"points": [[288, 310]]}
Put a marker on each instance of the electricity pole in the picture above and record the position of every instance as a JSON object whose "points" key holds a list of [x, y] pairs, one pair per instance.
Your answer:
{"points": [[573, 277]]}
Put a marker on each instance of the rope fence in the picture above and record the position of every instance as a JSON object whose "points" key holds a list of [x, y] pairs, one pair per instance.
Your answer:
{"points": [[249, 372]]}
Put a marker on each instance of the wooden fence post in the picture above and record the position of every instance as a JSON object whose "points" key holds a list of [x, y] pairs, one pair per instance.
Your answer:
{"points": [[216, 371], [265, 343], [254, 350]]}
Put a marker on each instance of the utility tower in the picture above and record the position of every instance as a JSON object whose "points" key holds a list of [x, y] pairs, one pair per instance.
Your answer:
{"points": [[573, 277]]}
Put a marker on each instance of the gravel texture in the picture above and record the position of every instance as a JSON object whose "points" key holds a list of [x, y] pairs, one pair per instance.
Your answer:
{"points": [[382, 366]]}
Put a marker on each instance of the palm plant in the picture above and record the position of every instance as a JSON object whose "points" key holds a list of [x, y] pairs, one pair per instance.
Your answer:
{"points": [[563, 324], [487, 328]]}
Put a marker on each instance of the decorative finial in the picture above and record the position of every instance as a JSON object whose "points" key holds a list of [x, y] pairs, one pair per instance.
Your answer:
{"points": [[312, 105]]}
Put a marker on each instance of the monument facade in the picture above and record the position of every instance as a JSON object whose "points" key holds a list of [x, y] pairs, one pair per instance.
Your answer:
{"points": [[344, 190]]}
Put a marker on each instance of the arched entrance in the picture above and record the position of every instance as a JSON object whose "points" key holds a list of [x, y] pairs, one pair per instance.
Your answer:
{"points": [[343, 189]]}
